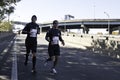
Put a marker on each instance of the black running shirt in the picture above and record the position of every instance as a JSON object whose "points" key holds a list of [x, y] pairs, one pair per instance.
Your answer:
{"points": [[53, 36], [31, 29]]}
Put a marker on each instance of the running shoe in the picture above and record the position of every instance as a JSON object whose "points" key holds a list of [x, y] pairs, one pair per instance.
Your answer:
{"points": [[33, 71], [54, 71], [46, 62]]}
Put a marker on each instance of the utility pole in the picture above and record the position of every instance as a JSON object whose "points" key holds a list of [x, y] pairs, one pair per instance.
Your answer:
{"points": [[67, 17], [108, 21]]}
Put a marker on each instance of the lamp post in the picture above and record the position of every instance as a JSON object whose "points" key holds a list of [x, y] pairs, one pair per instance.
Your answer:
{"points": [[65, 23], [108, 21]]}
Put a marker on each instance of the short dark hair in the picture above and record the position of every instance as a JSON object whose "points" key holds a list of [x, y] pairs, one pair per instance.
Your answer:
{"points": [[55, 21], [34, 16]]}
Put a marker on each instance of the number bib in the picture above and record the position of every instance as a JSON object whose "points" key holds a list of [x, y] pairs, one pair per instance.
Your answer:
{"points": [[55, 40], [33, 33]]}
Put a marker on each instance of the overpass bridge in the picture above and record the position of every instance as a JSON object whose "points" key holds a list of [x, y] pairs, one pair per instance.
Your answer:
{"points": [[85, 24]]}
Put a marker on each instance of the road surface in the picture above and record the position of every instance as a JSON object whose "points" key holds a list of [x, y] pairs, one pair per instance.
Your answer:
{"points": [[74, 63]]}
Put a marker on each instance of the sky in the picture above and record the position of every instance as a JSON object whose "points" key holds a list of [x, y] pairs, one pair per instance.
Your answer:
{"points": [[49, 10]]}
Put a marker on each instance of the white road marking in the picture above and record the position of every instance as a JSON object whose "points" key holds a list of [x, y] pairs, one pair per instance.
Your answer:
{"points": [[6, 50], [1, 56], [14, 75]]}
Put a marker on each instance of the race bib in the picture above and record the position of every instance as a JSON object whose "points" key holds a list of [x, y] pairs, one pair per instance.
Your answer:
{"points": [[55, 40], [33, 33]]}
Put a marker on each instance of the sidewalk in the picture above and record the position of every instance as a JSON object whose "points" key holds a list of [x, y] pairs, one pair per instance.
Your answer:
{"points": [[78, 41]]}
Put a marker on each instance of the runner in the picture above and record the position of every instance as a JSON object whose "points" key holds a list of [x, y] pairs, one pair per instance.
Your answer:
{"points": [[53, 36], [31, 29]]}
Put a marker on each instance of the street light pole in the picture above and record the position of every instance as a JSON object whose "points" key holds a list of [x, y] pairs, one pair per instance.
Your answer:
{"points": [[65, 22], [108, 21]]}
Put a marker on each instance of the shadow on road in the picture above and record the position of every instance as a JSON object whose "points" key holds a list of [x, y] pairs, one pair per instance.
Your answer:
{"points": [[74, 64]]}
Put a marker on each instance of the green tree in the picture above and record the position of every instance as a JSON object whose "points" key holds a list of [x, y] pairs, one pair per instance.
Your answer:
{"points": [[5, 26], [9, 11], [6, 8]]}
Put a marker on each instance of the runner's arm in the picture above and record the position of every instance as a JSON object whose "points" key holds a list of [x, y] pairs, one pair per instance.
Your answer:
{"points": [[25, 30], [47, 37], [38, 30], [60, 37]]}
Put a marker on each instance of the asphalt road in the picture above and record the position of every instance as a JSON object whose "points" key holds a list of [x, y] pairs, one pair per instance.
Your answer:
{"points": [[74, 64]]}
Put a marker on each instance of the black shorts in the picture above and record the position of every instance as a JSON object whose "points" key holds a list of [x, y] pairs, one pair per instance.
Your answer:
{"points": [[54, 50], [31, 46]]}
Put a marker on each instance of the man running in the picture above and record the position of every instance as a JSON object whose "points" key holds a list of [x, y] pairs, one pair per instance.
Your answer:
{"points": [[31, 29], [53, 36]]}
